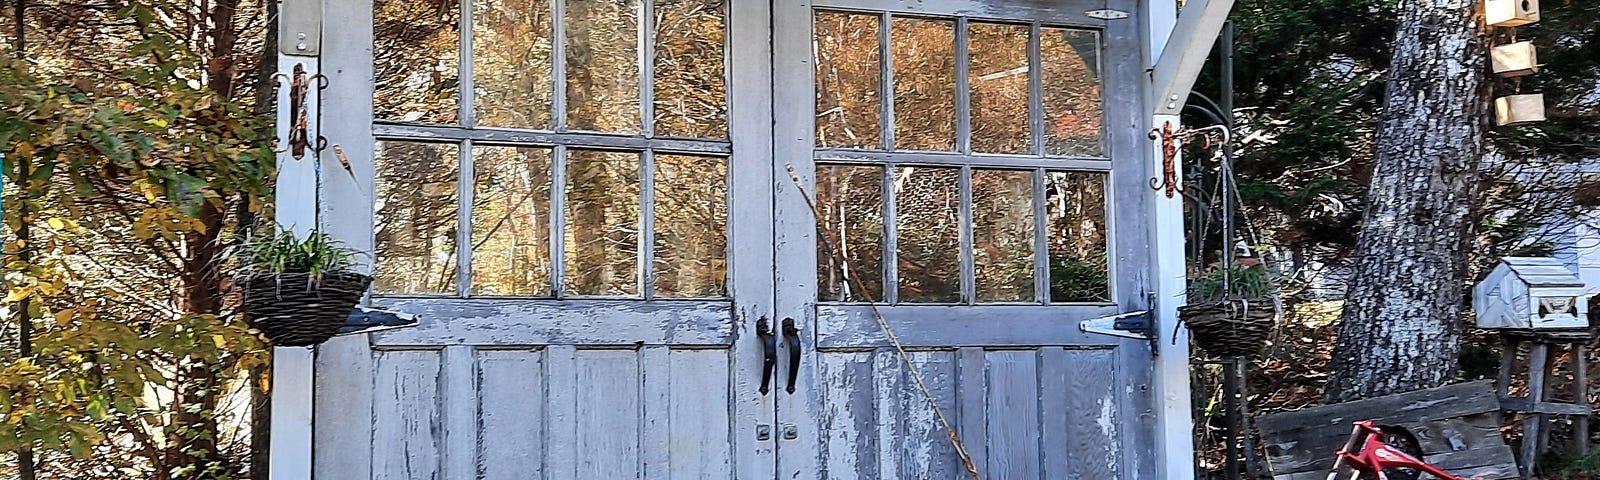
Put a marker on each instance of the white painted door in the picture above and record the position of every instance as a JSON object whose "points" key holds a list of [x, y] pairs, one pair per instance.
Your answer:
{"points": [[574, 195], [975, 183]]}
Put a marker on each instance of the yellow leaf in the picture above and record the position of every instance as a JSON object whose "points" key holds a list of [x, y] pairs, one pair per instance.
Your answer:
{"points": [[18, 294], [221, 342], [64, 317], [56, 223]]}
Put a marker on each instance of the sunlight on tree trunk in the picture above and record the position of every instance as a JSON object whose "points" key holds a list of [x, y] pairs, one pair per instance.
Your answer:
{"points": [[1402, 316]]}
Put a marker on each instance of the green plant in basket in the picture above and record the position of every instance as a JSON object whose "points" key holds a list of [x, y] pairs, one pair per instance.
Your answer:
{"points": [[1231, 310], [1219, 284], [299, 290], [283, 252]]}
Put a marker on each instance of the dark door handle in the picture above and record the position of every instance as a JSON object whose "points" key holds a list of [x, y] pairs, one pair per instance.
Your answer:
{"points": [[769, 353], [791, 338]]}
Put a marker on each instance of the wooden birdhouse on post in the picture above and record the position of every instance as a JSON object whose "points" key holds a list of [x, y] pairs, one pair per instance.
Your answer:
{"points": [[1510, 13], [1514, 60], [1531, 293]]}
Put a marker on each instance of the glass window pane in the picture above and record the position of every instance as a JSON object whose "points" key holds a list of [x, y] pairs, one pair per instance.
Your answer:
{"points": [[416, 217], [511, 221], [1002, 234], [1072, 108], [602, 223], [1076, 205], [849, 112], [999, 79], [691, 244], [691, 94], [928, 219], [416, 51], [603, 65], [850, 201], [511, 63], [924, 84]]}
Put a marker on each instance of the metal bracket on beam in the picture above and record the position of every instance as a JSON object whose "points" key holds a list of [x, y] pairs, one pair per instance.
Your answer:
{"points": [[1186, 51], [300, 27], [1135, 325]]}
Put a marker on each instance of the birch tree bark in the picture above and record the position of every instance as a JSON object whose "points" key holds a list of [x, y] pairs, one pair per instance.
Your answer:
{"points": [[1401, 327]]}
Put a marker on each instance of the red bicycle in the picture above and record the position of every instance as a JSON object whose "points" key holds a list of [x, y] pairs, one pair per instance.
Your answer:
{"points": [[1377, 452]]}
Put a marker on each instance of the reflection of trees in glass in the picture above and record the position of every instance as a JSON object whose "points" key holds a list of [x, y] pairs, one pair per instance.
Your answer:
{"points": [[924, 83], [1076, 208], [850, 201], [1002, 234], [416, 49], [511, 63], [511, 221], [998, 56], [602, 234], [928, 223], [1072, 108], [847, 80], [603, 65], [691, 81], [691, 226], [416, 217]]}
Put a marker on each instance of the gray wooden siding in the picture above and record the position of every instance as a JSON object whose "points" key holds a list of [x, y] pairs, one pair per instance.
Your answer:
{"points": [[560, 412], [1047, 412]]}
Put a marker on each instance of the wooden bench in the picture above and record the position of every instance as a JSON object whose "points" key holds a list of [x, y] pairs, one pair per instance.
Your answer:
{"points": [[1458, 427]]}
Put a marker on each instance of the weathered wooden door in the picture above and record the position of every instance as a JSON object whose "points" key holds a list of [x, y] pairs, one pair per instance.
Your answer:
{"points": [[975, 183], [575, 196]]}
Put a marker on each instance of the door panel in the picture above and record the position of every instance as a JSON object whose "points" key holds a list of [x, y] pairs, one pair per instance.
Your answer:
{"points": [[984, 271], [555, 412]]}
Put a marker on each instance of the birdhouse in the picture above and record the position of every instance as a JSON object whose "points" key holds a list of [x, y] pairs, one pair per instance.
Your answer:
{"points": [[1510, 13], [1531, 293], [1519, 109], [1514, 60]]}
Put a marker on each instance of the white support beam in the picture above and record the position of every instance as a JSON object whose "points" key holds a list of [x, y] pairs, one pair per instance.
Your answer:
{"points": [[289, 450], [1185, 53], [1174, 421], [293, 368]]}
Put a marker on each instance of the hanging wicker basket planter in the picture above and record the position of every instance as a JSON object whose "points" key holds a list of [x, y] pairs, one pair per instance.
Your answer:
{"points": [[296, 309], [1230, 328]]}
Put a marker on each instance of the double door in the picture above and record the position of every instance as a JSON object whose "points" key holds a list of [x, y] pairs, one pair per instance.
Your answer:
{"points": [[730, 239]]}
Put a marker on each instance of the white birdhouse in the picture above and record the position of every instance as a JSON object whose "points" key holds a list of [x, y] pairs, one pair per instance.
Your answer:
{"points": [[1514, 60], [1519, 109], [1510, 13], [1531, 293]]}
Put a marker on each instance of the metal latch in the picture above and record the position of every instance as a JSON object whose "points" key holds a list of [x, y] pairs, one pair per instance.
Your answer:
{"points": [[1136, 325]]}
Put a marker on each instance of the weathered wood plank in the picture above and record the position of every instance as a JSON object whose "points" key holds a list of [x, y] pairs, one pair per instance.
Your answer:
{"points": [[849, 448], [972, 415], [1552, 408], [405, 415], [1433, 404], [701, 444], [344, 389], [658, 403], [459, 416], [1089, 415], [608, 413], [1013, 409], [511, 395], [561, 425], [854, 326], [547, 322], [888, 417], [1479, 434], [925, 449]]}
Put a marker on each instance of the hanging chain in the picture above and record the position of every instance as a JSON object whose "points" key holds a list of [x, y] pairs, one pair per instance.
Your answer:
{"points": [[911, 367]]}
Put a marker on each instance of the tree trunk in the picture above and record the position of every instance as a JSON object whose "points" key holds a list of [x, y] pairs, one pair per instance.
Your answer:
{"points": [[1401, 323]]}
